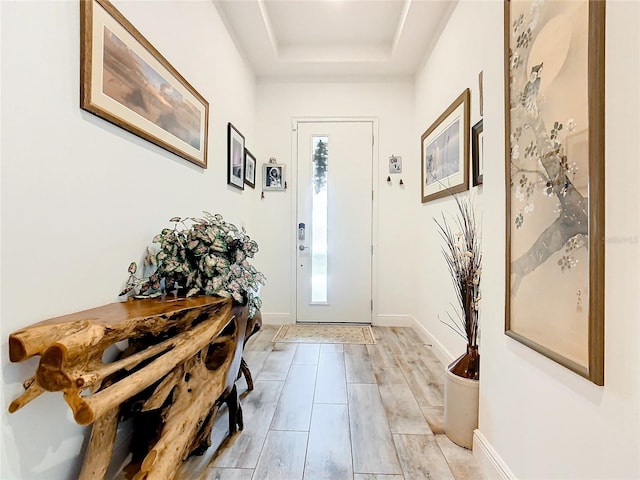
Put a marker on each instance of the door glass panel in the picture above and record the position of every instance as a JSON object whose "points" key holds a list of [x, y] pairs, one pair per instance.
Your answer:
{"points": [[319, 278]]}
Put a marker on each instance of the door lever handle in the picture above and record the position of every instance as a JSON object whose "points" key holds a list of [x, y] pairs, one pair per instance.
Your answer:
{"points": [[302, 247]]}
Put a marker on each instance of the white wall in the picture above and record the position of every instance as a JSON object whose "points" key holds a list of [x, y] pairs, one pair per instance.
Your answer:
{"points": [[81, 198], [453, 66], [542, 420], [392, 105]]}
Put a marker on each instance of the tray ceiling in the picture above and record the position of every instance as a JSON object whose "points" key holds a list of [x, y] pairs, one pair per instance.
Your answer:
{"points": [[334, 38]]}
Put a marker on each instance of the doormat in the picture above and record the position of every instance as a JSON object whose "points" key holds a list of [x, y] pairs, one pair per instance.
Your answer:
{"points": [[325, 334]]}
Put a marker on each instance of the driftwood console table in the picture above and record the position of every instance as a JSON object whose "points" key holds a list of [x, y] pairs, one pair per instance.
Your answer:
{"points": [[179, 364]]}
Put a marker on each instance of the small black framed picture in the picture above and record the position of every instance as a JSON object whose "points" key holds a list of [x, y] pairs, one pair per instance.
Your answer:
{"points": [[249, 169], [235, 157], [477, 153], [273, 176]]}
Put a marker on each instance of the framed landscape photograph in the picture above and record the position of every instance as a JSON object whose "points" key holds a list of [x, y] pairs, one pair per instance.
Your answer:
{"points": [[477, 153], [249, 169], [235, 157], [126, 81], [273, 176], [555, 212], [445, 152]]}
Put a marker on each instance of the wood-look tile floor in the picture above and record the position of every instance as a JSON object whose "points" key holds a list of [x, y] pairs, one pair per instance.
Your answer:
{"points": [[338, 412]]}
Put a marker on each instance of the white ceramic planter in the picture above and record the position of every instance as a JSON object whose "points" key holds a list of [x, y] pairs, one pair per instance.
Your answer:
{"points": [[460, 408]]}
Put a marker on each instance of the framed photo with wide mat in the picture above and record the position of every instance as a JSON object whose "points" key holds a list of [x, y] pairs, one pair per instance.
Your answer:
{"points": [[554, 80], [445, 152], [126, 81]]}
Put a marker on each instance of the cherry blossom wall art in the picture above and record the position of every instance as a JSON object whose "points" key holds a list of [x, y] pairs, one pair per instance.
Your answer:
{"points": [[554, 82]]}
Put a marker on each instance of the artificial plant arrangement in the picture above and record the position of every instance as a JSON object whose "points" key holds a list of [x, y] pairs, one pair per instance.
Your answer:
{"points": [[463, 255], [200, 256]]}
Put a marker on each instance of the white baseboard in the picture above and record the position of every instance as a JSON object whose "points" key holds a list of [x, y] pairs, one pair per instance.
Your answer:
{"points": [[393, 321], [442, 353], [491, 464], [276, 319]]}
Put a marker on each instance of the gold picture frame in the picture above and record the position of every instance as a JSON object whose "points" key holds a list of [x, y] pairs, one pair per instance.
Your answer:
{"points": [[444, 148], [554, 116], [126, 81]]}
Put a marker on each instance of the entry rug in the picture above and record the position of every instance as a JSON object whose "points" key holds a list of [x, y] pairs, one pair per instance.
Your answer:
{"points": [[325, 334]]}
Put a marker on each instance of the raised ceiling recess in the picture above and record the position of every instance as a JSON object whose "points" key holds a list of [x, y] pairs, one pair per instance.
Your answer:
{"points": [[335, 38]]}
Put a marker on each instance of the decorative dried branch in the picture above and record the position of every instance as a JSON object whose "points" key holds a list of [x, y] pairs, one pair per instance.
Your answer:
{"points": [[463, 255]]}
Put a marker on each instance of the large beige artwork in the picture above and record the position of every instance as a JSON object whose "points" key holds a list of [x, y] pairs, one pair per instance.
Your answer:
{"points": [[555, 178]]}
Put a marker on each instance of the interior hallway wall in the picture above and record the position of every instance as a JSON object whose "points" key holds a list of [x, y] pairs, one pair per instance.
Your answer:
{"points": [[539, 420], [81, 198], [452, 67], [392, 105]]}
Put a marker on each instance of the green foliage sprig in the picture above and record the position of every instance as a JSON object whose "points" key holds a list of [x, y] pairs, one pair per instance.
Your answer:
{"points": [[200, 256]]}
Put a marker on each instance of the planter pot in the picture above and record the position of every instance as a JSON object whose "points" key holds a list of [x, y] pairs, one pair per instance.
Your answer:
{"points": [[460, 408]]}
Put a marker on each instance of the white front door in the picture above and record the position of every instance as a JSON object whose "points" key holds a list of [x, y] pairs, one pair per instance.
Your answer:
{"points": [[334, 218]]}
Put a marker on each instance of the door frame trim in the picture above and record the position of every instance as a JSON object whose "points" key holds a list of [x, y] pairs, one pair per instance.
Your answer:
{"points": [[293, 176]]}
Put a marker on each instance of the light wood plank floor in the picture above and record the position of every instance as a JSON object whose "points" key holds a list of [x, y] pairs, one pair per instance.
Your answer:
{"points": [[338, 412]]}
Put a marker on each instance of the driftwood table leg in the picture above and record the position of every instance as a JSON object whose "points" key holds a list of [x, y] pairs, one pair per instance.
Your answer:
{"points": [[98, 456], [235, 411], [254, 325], [244, 368]]}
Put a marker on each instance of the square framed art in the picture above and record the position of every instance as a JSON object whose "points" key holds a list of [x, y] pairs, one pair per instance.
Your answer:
{"points": [[395, 164], [273, 176]]}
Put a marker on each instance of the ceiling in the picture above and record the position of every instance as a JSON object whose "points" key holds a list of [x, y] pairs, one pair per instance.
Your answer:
{"points": [[341, 39]]}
